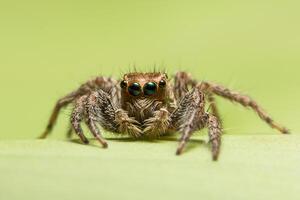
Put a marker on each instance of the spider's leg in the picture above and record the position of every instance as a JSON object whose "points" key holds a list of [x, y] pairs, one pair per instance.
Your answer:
{"points": [[60, 104], [95, 131], [101, 109], [214, 133], [158, 124], [213, 106], [77, 116], [243, 100], [182, 82], [106, 84], [189, 116]]}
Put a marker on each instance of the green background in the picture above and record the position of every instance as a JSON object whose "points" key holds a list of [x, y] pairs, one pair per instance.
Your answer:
{"points": [[48, 48]]}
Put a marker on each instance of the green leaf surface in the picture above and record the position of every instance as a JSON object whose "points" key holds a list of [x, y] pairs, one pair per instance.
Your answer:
{"points": [[250, 167]]}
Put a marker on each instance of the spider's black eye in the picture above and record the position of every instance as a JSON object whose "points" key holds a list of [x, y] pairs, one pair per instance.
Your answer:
{"points": [[162, 83], [134, 89], [150, 88], [123, 84]]}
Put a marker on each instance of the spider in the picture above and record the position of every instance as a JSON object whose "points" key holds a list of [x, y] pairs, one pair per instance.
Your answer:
{"points": [[150, 105]]}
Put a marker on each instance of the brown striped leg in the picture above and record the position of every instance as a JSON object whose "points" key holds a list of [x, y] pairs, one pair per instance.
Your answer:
{"points": [[77, 116], [101, 109], [189, 117], [214, 133], [214, 107], [60, 104], [95, 107], [182, 82], [96, 132], [243, 100], [187, 132], [97, 101]]}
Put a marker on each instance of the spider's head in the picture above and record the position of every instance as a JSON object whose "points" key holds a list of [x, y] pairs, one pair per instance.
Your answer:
{"points": [[144, 85]]}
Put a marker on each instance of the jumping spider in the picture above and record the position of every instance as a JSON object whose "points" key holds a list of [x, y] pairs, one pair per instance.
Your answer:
{"points": [[149, 105]]}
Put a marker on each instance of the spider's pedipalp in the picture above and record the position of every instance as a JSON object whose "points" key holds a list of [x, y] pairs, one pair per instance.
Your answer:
{"points": [[158, 124], [126, 124]]}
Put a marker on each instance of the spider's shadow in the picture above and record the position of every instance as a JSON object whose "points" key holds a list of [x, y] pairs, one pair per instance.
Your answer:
{"points": [[193, 143]]}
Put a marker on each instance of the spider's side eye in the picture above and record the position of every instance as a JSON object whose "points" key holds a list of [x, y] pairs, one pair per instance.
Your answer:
{"points": [[162, 83], [123, 84], [150, 88], [134, 89]]}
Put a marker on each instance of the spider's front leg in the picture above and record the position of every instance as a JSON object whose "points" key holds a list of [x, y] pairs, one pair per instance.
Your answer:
{"points": [[82, 112], [184, 81], [98, 108], [190, 116]]}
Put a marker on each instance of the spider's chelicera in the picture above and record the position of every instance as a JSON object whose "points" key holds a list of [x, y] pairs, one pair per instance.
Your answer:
{"points": [[149, 105]]}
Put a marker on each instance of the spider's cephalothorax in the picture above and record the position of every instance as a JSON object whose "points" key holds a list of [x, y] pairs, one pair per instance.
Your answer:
{"points": [[144, 93], [149, 105]]}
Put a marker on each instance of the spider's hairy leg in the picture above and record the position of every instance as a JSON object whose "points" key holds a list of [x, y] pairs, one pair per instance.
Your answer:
{"points": [[213, 107], [214, 133], [60, 104], [77, 116], [158, 124], [93, 84], [182, 82], [93, 108], [100, 109], [98, 106], [189, 116], [243, 100]]}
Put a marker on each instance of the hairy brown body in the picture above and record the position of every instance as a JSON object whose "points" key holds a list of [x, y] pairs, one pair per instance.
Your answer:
{"points": [[141, 107], [149, 105]]}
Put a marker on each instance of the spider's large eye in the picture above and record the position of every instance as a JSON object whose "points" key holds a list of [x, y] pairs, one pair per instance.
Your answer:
{"points": [[134, 89], [162, 83], [123, 84], [150, 88]]}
